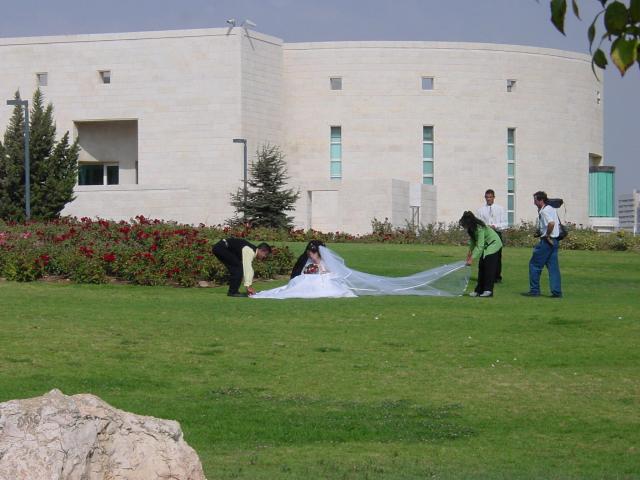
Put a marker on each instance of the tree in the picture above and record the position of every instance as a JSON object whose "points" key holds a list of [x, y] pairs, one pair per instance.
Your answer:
{"points": [[12, 168], [622, 28], [53, 165], [267, 198]]}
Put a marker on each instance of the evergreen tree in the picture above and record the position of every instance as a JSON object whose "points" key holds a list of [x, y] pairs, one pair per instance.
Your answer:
{"points": [[267, 198], [12, 168], [53, 166], [41, 142], [58, 179]]}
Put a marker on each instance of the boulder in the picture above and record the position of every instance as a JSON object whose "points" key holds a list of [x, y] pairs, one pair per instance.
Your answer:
{"points": [[80, 437]]}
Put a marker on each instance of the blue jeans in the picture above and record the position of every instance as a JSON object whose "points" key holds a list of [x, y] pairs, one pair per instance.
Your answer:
{"points": [[545, 255]]}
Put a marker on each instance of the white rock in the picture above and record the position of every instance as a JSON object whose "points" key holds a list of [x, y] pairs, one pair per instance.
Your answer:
{"points": [[80, 437]]}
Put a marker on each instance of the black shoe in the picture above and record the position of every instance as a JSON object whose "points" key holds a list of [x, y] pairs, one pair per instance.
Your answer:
{"points": [[530, 294], [555, 295], [237, 294]]}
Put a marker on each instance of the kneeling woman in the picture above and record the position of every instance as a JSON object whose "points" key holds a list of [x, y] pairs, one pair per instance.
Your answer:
{"points": [[484, 246]]}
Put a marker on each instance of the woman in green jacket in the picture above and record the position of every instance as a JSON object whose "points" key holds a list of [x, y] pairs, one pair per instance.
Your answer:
{"points": [[484, 246]]}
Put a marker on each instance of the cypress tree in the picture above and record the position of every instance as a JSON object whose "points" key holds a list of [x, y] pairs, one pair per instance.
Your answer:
{"points": [[12, 169], [41, 143], [59, 177], [268, 201], [53, 166]]}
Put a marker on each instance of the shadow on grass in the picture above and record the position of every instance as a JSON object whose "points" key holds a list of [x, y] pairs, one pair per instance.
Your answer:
{"points": [[247, 416]]}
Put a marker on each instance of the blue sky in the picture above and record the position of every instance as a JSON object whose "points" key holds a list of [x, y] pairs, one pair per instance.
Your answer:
{"points": [[523, 22]]}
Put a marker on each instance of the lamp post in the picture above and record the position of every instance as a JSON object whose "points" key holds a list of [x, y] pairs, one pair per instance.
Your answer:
{"points": [[244, 142], [27, 168]]}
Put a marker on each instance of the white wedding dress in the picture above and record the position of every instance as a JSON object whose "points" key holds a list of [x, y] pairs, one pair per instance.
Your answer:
{"points": [[334, 279]]}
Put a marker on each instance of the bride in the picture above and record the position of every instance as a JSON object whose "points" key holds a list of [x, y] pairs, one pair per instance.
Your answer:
{"points": [[321, 273]]}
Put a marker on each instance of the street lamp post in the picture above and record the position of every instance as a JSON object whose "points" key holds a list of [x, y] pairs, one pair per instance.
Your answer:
{"points": [[27, 168], [244, 142]]}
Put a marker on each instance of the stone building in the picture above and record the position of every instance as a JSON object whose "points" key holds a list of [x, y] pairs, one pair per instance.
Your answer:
{"points": [[409, 131], [629, 212]]}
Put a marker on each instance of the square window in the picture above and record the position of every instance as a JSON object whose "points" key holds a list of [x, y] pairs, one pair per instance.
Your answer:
{"points": [[89, 174], [427, 168], [43, 79], [105, 76], [336, 151], [511, 135], [336, 83], [511, 152], [510, 216], [427, 83], [511, 85], [427, 180], [511, 169]]}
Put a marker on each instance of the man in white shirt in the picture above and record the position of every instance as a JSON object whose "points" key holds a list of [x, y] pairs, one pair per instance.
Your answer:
{"points": [[494, 216], [545, 253]]}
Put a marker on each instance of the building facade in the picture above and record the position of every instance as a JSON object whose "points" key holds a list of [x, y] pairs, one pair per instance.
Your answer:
{"points": [[409, 131], [629, 212]]}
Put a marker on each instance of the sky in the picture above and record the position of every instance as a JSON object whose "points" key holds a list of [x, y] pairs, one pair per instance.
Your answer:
{"points": [[519, 22]]}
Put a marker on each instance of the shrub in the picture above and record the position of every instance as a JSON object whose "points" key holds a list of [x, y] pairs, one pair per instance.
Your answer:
{"points": [[154, 252]]}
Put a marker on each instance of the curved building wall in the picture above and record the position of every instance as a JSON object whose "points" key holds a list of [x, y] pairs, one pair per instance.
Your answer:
{"points": [[177, 99], [554, 108]]}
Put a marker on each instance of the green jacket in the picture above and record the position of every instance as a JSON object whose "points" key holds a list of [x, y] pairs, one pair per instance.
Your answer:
{"points": [[487, 243]]}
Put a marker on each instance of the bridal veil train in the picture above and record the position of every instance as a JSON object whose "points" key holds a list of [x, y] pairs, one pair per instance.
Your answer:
{"points": [[341, 281]]}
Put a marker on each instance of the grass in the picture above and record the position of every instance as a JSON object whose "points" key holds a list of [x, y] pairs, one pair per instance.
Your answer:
{"points": [[388, 387]]}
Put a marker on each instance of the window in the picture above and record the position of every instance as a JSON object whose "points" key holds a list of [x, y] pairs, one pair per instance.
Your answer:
{"points": [[511, 174], [427, 155], [42, 79], [98, 174], [336, 153], [511, 85], [602, 191], [336, 83], [427, 83], [105, 76]]}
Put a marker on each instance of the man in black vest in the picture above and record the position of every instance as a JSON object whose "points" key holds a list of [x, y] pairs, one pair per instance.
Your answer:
{"points": [[237, 255]]}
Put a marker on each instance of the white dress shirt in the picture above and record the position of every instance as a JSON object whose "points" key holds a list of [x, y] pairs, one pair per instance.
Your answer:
{"points": [[493, 215]]}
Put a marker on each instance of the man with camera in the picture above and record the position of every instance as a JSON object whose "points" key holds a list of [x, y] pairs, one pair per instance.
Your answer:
{"points": [[545, 253]]}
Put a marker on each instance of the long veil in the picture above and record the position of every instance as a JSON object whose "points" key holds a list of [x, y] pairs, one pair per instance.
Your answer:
{"points": [[447, 280]]}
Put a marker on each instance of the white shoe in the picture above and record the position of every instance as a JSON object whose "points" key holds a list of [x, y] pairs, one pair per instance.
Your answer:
{"points": [[487, 293], [473, 294]]}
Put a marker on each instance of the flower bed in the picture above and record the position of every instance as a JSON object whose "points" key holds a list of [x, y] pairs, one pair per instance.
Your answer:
{"points": [[154, 252], [143, 251]]}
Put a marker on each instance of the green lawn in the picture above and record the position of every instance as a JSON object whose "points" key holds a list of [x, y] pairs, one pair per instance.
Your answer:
{"points": [[390, 387]]}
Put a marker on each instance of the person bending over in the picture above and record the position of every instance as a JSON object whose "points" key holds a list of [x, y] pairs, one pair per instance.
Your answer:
{"points": [[485, 246], [238, 255]]}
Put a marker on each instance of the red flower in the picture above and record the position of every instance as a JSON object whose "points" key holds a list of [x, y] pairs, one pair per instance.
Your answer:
{"points": [[109, 257], [87, 251]]}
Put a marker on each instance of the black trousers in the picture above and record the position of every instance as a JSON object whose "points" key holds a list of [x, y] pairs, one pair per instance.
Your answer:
{"points": [[233, 264], [499, 270], [487, 270]]}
